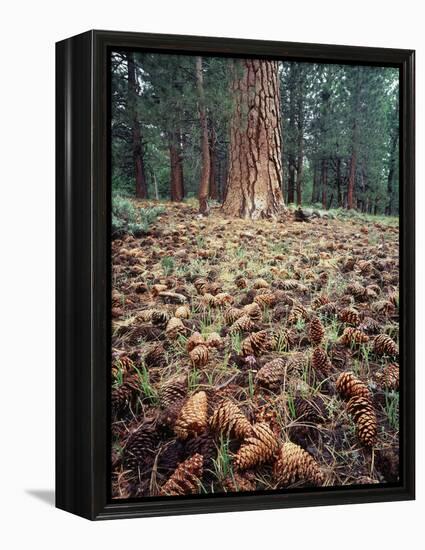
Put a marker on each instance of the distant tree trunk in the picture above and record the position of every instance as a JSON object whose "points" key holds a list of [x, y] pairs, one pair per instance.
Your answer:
{"points": [[213, 188], [338, 183], [390, 185], [316, 183], [324, 183], [139, 167], [155, 183], [351, 179], [205, 148], [176, 168], [255, 164]]}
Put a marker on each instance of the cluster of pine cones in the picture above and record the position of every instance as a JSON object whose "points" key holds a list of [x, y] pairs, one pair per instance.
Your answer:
{"points": [[231, 380]]}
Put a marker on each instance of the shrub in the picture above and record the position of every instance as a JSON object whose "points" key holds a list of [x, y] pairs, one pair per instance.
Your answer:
{"points": [[126, 218]]}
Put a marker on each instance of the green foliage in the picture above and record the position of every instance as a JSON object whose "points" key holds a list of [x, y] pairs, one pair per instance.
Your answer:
{"points": [[333, 117], [126, 218]]}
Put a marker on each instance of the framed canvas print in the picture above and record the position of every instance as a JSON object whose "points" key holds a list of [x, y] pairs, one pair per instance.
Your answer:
{"points": [[235, 274]]}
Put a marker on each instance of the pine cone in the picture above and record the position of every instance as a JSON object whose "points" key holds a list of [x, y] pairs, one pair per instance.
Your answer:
{"points": [[357, 290], [237, 482], [228, 418], [193, 417], [214, 340], [195, 340], [349, 315], [173, 390], [186, 478], [204, 445], [320, 361], [182, 312], [369, 325], [384, 345], [125, 395], [327, 310], [260, 283], [389, 377], [155, 357], [320, 301], [295, 464], [254, 311], [310, 410], [241, 282], [257, 449], [271, 374], [232, 314], [286, 338], [348, 386], [364, 417], [352, 336], [266, 300], [175, 327], [159, 317], [199, 356], [298, 313], [139, 452], [316, 331], [223, 299], [145, 315], [201, 285], [243, 324], [257, 343]]}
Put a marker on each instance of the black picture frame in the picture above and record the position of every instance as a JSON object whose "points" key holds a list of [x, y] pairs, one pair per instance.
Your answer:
{"points": [[82, 274]]}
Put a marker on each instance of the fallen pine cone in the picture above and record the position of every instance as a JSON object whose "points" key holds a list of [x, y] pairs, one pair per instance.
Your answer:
{"points": [[295, 464], [385, 345], [352, 336], [272, 374], [258, 448], [349, 386], [362, 411], [199, 356], [193, 417], [228, 418], [186, 478]]}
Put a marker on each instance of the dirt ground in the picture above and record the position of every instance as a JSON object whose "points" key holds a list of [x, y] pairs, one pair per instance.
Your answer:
{"points": [[178, 293]]}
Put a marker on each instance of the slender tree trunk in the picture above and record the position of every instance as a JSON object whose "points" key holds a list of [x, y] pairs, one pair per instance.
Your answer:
{"points": [[205, 148], [324, 183], [139, 167], [176, 168], [390, 180], [316, 183], [338, 183], [213, 188], [255, 171], [352, 179], [155, 183]]}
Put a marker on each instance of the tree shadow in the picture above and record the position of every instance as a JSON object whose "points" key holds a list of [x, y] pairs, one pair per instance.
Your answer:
{"points": [[45, 495]]}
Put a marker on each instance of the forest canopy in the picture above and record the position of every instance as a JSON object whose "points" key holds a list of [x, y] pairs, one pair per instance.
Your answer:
{"points": [[174, 131]]}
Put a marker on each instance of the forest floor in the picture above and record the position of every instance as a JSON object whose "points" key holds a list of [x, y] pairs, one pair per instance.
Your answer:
{"points": [[179, 353]]}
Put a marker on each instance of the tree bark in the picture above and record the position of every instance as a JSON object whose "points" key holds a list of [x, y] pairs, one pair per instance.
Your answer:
{"points": [[355, 131], [391, 172], [204, 184], [139, 167], [176, 168], [213, 187], [255, 165], [338, 183], [324, 183]]}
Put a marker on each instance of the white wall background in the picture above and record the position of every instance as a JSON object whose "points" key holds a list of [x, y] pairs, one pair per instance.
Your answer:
{"points": [[28, 33]]}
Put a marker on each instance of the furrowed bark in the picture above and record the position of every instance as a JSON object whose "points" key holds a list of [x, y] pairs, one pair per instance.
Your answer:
{"points": [[255, 165]]}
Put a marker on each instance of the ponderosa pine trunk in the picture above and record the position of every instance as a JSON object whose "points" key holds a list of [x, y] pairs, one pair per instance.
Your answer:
{"points": [[176, 168], [255, 165], [204, 183], [139, 167]]}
